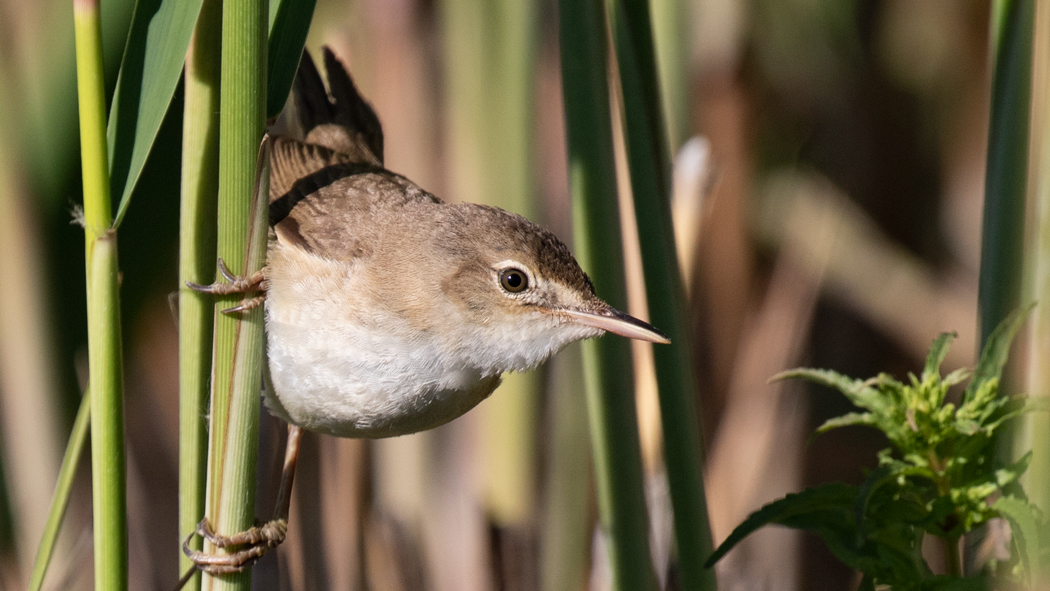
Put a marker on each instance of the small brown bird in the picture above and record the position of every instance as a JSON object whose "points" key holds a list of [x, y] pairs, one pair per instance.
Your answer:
{"points": [[389, 311]]}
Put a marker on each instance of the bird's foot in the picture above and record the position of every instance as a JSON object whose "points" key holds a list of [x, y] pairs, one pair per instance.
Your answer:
{"points": [[234, 284], [257, 541], [245, 305]]}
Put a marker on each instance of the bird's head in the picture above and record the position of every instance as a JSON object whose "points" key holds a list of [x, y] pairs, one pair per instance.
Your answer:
{"points": [[523, 293]]}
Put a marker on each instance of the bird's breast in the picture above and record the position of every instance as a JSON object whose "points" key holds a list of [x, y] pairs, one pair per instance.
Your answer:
{"points": [[346, 362]]}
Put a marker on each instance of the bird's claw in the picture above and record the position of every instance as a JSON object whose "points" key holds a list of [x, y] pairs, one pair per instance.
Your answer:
{"points": [[234, 284], [258, 541], [233, 279]]}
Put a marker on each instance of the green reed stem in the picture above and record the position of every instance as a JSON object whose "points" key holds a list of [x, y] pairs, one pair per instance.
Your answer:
{"points": [[237, 371], [197, 236], [670, 20], [60, 501], [1036, 435], [1006, 177], [650, 171], [607, 361], [108, 465]]}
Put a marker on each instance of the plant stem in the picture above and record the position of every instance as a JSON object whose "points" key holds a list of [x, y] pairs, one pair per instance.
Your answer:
{"points": [[63, 486], [596, 225], [650, 174], [197, 235], [237, 370], [104, 344], [670, 20], [952, 559], [291, 23], [1037, 271], [1002, 240], [950, 544], [107, 416]]}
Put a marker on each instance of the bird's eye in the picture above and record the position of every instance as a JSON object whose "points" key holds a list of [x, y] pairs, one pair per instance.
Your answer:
{"points": [[513, 280]]}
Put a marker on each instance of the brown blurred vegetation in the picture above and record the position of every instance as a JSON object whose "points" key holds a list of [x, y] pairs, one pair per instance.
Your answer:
{"points": [[829, 218]]}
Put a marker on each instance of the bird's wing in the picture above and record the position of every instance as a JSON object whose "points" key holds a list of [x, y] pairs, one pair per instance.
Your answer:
{"points": [[337, 211], [292, 160]]}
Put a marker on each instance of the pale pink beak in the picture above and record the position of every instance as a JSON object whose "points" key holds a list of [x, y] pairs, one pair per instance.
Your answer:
{"points": [[616, 322]]}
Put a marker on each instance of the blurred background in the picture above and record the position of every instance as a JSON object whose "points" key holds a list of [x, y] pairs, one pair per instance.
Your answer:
{"points": [[828, 191]]}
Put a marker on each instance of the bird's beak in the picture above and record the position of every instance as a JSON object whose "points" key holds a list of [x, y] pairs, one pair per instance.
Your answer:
{"points": [[614, 321]]}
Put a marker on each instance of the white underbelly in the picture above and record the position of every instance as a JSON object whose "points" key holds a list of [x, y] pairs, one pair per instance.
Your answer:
{"points": [[342, 365], [361, 389]]}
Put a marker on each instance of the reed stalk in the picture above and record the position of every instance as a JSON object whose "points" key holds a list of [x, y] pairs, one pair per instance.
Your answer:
{"points": [[1006, 177], [650, 173], [108, 464], [1036, 434], [237, 366], [64, 485], [596, 226], [197, 236], [670, 20], [289, 25]]}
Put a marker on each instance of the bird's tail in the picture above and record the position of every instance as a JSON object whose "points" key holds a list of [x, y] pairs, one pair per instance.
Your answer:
{"points": [[338, 125], [336, 118]]}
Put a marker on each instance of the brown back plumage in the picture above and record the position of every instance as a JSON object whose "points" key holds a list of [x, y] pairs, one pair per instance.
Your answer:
{"points": [[331, 195]]}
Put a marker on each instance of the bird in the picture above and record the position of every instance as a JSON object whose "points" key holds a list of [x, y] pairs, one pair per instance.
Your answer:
{"points": [[387, 310]]}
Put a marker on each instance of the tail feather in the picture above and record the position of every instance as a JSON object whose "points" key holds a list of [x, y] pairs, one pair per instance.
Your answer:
{"points": [[338, 119], [351, 109], [311, 96]]}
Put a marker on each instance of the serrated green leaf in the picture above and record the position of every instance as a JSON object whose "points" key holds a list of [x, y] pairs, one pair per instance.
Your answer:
{"points": [[853, 418], [900, 511], [1005, 409], [289, 25], [996, 349], [891, 552], [913, 380], [938, 351], [1011, 473], [799, 510], [876, 479], [956, 377], [884, 380], [149, 72], [1024, 530], [881, 534], [967, 426], [891, 504], [859, 392]]}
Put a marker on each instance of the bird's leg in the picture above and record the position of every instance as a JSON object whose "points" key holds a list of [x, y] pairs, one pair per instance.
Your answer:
{"points": [[259, 539], [234, 284]]}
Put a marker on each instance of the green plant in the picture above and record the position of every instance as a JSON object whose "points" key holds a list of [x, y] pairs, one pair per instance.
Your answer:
{"points": [[940, 476], [606, 362], [105, 351], [649, 165]]}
